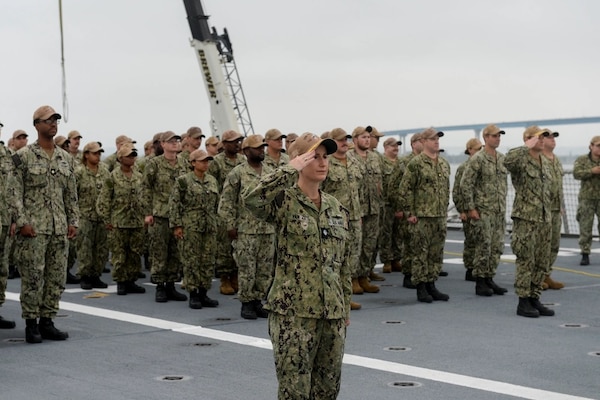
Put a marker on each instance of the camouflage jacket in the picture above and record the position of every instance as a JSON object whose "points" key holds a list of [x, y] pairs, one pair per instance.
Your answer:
{"points": [[387, 168], [393, 186], [88, 189], [344, 182], [590, 183], [157, 184], [371, 199], [312, 276], [110, 162], [484, 183], [457, 196], [272, 164], [6, 166], [120, 200], [232, 210], [425, 187], [531, 179], [556, 183], [42, 190], [193, 203], [221, 166]]}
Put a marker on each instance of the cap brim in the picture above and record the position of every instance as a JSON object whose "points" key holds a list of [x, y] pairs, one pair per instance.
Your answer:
{"points": [[330, 145]]}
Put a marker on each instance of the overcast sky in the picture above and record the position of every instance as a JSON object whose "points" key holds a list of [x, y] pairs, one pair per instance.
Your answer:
{"points": [[306, 65]]}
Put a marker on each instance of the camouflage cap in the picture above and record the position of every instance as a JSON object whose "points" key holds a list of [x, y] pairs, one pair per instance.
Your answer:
{"points": [[45, 112], [274, 134], [359, 130], [375, 133], [431, 133], [492, 130], [123, 139], [473, 143], [212, 140], [390, 141], [308, 142], [231, 136], [168, 135], [595, 140], [60, 140], [291, 137], [415, 137], [534, 130], [19, 132], [75, 134], [195, 133], [127, 150], [199, 155]]}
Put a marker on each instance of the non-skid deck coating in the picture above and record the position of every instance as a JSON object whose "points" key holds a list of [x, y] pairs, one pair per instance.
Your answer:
{"points": [[129, 347]]}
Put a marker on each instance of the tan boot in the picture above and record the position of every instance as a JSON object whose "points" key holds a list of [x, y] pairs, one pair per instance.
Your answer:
{"points": [[364, 283], [387, 268], [374, 276], [355, 306], [544, 286], [356, 289], [226, 285], [552, 284], [396, 266]]}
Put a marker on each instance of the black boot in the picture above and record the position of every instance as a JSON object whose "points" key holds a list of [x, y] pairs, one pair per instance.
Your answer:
{"points": [[248, 311], [543, 310], [422, 294], [497, 289], [132, 287], [49, 331], [85, 283], [161, 293], [6, 324], [436, 294], [260, 311], [173, 294], [32, 332], [525, 309], [207, 301], [481, 288], [72, 279], [585, 259], [469, 275], [12, 272], [121, 288], [97, 283], [407, 282], [443, 273], [195, 303]]}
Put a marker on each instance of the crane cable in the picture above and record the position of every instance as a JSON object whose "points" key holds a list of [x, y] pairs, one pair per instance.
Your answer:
{"points": [[65, 102]]}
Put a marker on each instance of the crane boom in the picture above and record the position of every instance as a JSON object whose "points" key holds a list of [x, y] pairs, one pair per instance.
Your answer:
{"points": [[221, 79]]}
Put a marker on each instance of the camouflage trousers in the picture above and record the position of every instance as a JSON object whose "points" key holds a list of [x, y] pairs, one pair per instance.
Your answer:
{"points": [[164, 255], [403, 238], [308, 356], [224, 258], [3, 262], [390, 247], [368, 254], [198, 251], [468, 245], [72, 256], [531, 246], [126, 248], [253, 254], [487, 235], [354, 246], [92, 247], [586, 210], [43, 267], [555, 239], [427, 240]]}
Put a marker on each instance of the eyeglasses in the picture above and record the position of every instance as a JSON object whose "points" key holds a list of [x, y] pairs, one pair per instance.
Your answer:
{"points": [[174, 140], [50, 121]]}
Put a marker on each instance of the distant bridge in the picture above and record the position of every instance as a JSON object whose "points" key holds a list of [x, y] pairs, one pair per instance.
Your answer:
{"points": [[477, 128]]}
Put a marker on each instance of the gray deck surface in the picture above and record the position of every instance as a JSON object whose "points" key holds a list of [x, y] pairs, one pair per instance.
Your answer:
{"points": [[129, 347]]}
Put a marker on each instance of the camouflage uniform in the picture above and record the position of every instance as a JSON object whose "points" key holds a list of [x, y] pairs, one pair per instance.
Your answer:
{"points": [[157, 184], [532, 220], [401, 226], [120, 205], [310, 295], [371, 202], [425, 193], [344, 182], [556, 191], [459, 202], [254, 248], [272, 164], [390, 246], [110, 162], [43, 194], [220, 167], [483, 188], [193, 206], [589, 199], [6, 166], [92, 245]]}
